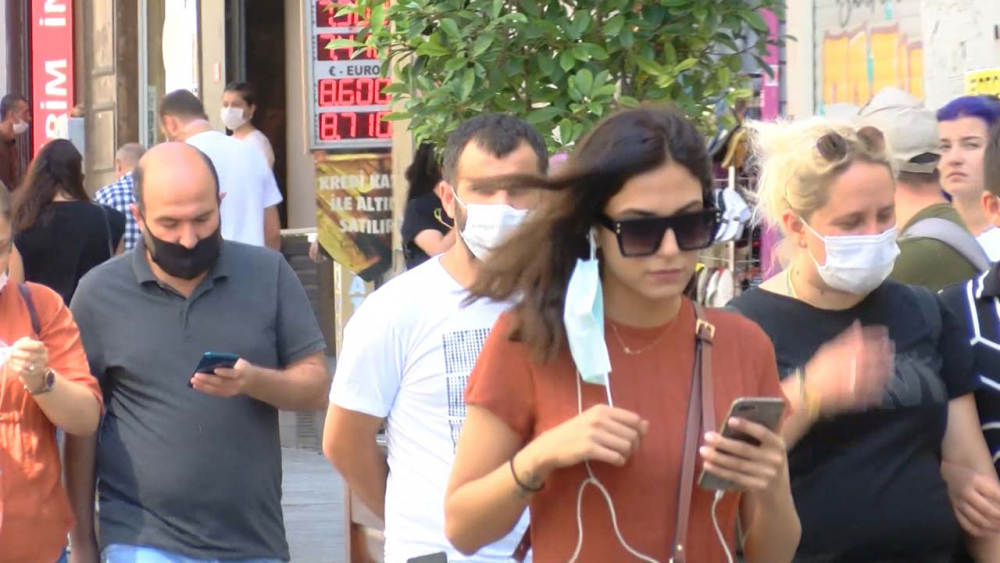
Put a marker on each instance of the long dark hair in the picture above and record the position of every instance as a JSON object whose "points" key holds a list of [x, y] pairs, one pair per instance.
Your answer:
{"points": [[534, 265], [424, 173], [58, 167]]}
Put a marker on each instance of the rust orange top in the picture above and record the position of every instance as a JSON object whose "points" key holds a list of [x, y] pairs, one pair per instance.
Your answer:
{"points": [[34, 510]]}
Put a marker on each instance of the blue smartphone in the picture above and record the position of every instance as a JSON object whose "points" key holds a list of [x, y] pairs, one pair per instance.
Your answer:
{"points": [[211, 361]]}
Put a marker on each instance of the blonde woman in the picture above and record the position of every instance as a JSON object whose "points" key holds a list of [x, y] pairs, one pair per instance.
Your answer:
{"points": [[879, 374]]}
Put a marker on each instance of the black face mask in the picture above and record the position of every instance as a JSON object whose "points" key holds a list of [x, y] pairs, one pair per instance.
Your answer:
{"points": [[182, 262]]}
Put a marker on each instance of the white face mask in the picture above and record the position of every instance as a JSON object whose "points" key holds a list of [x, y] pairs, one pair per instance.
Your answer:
{"points": [[20, 127], [232, 118], [486, 226], [3, 280], [857, 263]]}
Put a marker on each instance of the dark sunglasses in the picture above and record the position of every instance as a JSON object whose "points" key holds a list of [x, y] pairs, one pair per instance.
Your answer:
{"points": [[643, 236]]}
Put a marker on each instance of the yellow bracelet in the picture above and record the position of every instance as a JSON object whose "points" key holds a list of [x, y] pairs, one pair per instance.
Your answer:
{"points": [[812, 402]]}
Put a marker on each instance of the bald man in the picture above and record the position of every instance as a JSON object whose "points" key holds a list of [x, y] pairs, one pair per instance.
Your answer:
{"points": [[189, 464], [120, 195]]}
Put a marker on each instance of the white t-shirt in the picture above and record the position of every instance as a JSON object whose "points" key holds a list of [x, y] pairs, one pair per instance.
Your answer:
{"points": [[259, 140], [246, 180], [990, 241], [407, 354]]}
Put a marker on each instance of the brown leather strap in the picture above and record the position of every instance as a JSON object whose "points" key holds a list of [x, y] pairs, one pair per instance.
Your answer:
{"points": [[700, 418], [521, 553]]}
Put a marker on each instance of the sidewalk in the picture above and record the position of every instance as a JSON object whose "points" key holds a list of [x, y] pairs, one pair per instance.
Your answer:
{"points": [[313, 501]]}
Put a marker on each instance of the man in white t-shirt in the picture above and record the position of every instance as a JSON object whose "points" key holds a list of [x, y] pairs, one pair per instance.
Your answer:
{"points": [[250, 193], [409, 349]]}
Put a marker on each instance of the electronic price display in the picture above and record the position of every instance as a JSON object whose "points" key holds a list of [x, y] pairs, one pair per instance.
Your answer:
{"points": [[347, 101]]}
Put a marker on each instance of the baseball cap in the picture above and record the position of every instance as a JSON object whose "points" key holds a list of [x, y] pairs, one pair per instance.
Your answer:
{"points": [[910, 128]]}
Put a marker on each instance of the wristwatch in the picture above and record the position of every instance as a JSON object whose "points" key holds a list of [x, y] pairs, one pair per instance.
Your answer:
{"points": [[47, 384]]}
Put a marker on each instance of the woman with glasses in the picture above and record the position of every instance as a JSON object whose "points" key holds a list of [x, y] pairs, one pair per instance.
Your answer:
{"points": [[588, 402], [879, 374]]}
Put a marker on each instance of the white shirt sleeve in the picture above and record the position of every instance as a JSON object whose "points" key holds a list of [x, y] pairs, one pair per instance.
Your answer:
{"points": [[260, 140], [369, 365]]}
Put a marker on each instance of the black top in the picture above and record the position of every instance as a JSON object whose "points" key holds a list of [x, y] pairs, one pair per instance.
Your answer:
{"points": [[867, 485], [976, 303], [68, 239], [420, 217]]}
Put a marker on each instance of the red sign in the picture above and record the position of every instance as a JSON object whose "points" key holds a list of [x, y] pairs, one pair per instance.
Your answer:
{"points": [[51, 68]]}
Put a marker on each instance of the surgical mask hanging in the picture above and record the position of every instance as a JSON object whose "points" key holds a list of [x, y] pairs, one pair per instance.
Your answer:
{"points": [[233, 118], [20, 127], [857, 263], [583, 318], [487, 225]]}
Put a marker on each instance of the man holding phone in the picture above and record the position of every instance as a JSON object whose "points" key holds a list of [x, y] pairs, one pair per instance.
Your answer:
{"points": [[190, 463]]}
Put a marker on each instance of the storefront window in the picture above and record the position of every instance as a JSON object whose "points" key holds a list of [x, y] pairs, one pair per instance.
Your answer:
{"points": [[171, 59]]}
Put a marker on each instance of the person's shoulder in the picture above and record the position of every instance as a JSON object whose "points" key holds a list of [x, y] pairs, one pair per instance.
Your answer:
{"points": [[249, 255], [43, 297], [733, 324], [105, 277], [753, 300]]}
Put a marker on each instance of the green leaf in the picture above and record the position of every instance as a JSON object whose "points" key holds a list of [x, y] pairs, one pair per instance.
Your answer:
{"points": [[483, 43], [585, 81], [531, 7], [543, 115], [755, 20], [650, 67], [546, 65], [377, 22], [565, 131], [627, 38], [594, 51], [396, 88], [451, 28], [496, 9], [614, 26], [468, 81], [455, 64], [567, 61], [669, 53], [686, 64], [675, 3], [581, 53], [628, 101], [431, 48], [396, 116], [343, 44], [581, 22]]}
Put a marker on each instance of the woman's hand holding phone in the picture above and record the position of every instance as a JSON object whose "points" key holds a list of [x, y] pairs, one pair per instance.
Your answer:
{"points": [[761, 467]]}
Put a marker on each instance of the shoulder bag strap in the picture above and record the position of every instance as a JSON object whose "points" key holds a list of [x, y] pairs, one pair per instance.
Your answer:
{"points": [[959, 239], [36, 325], [700, 406]]}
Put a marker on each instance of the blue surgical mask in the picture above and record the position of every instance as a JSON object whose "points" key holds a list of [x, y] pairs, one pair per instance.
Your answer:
{"points": [[583, 317]]}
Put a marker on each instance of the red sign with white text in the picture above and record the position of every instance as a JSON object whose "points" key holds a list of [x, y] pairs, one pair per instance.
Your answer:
{"points": [[51, 69]]}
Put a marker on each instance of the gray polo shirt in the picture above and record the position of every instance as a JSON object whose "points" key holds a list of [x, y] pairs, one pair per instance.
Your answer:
{"points": [[181, 470]]}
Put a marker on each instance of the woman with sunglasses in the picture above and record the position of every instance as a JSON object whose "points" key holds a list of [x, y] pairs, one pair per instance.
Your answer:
{"points": [[598, 274], [879, 374]]}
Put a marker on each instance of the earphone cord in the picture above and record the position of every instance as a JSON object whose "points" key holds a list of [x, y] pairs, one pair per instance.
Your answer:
{"points": [[593, 480], [718, 529]]}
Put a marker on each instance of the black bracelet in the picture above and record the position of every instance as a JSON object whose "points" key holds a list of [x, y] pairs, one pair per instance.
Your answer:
{"points": [[524, 487]]}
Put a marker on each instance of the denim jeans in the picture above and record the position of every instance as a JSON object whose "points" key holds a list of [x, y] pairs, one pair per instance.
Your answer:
{"points": [[118, 553]]}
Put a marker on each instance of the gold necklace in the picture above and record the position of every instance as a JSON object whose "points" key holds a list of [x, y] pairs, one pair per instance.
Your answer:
{"points": [[631, 351]]}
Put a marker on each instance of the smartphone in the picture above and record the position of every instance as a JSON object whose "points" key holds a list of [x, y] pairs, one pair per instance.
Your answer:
{"points": [[762, 410], [440, 557], [214, 360]]}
